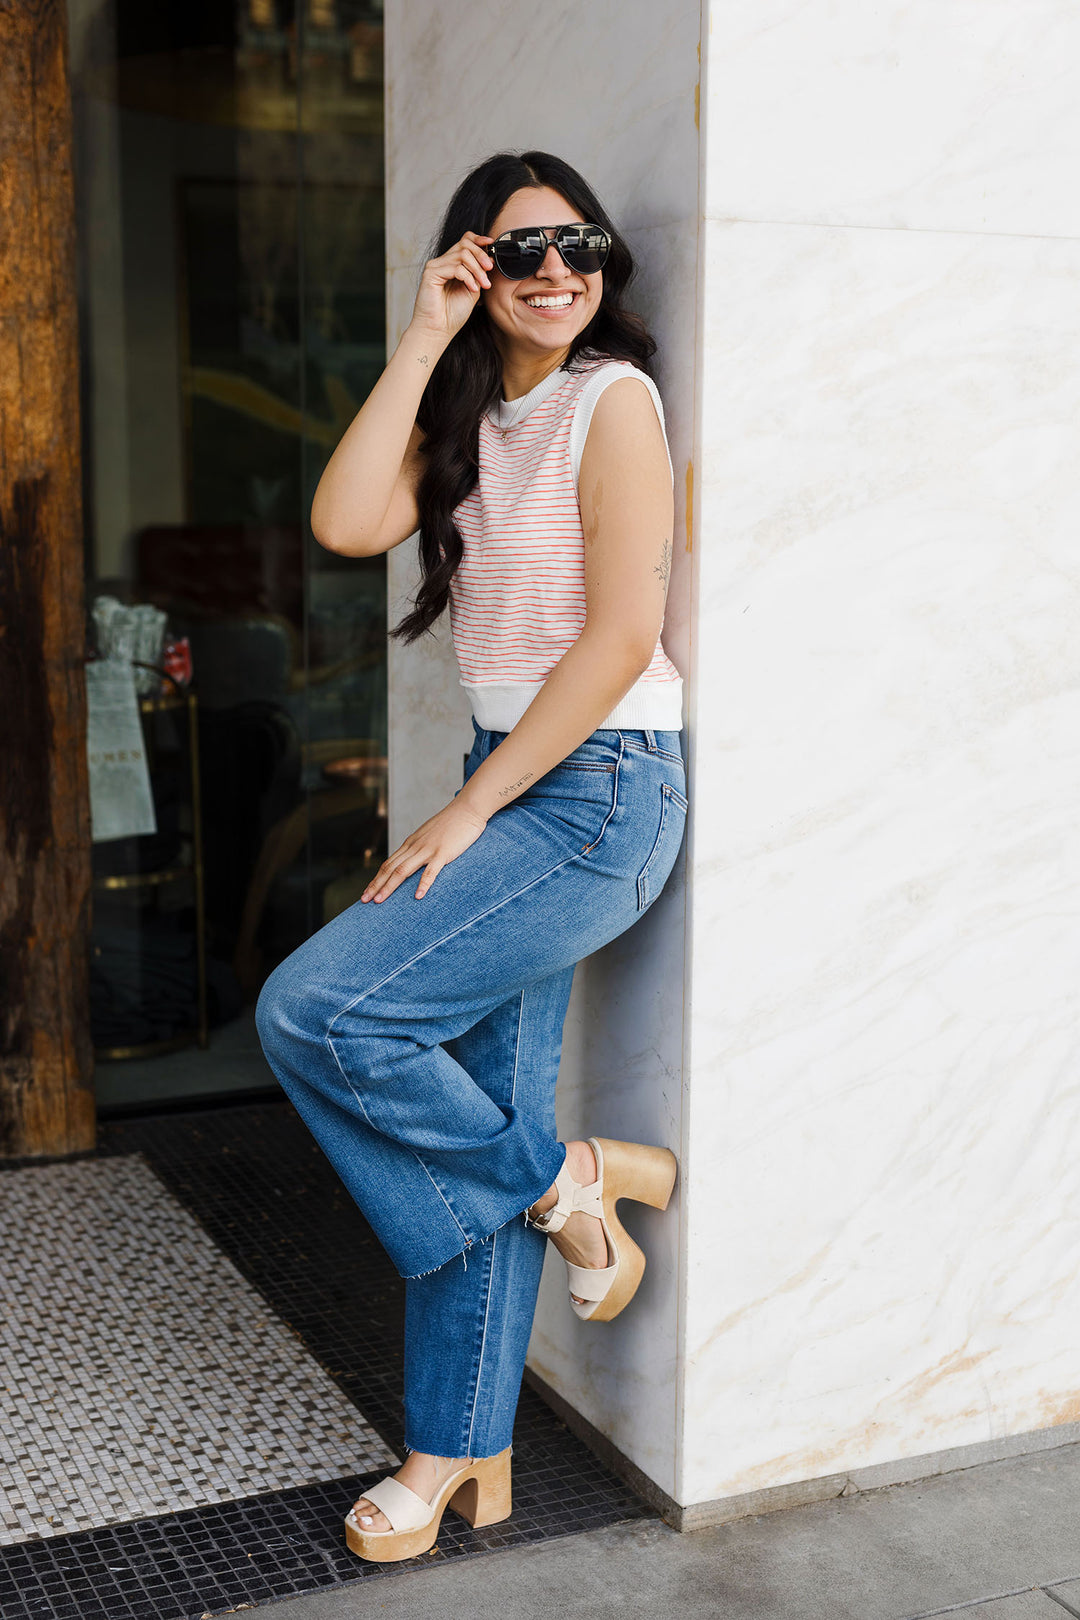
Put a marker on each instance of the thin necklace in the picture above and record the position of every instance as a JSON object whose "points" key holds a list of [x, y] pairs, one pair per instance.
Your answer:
{"points": [[521, 404]]}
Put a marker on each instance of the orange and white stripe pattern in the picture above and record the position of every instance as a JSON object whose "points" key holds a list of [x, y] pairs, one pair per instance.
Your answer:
{"points": [[517, 600]]}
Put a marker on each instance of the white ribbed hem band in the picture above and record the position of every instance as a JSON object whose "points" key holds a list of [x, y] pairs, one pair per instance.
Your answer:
{"points": [[648, 706]]}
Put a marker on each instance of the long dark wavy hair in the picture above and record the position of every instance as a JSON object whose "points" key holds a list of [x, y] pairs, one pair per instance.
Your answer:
{"points": [[468, 378]]}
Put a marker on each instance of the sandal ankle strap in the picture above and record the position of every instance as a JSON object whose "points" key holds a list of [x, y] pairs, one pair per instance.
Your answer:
{"points": [[570, 1195], [555, 1217]]}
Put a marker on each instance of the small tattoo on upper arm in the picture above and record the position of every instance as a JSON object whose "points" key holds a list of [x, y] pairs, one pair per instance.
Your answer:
{"points": [[663, 567], [514, 786]]}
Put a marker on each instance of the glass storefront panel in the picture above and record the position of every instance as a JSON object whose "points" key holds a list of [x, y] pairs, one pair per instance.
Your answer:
{"points": [[229, 194]]}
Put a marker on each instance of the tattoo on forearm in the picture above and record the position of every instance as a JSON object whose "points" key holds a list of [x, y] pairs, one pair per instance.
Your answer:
{"points": [[663, 567], [423, 359], [515, 787]]}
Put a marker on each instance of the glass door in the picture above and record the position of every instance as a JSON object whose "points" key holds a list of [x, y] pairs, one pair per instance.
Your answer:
{"points": [[229, 194]]}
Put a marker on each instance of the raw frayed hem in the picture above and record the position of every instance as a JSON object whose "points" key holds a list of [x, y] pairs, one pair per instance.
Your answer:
{"points": [[414, 1276], [412, 1450]]}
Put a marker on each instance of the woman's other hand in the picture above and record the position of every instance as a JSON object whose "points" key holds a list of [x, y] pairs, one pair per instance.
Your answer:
{"points": [[450, 286], [440, 840]]}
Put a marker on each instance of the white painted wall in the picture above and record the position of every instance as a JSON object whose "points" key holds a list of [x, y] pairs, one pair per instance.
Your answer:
{"points": [[865, 1051]]}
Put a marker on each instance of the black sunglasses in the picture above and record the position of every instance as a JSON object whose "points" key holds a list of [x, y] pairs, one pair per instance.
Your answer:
{"points": [[519, 253]]}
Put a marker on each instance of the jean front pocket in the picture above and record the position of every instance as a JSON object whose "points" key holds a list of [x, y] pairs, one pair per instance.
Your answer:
{"points": [[669, 834], [577, 797], [590, 756]]}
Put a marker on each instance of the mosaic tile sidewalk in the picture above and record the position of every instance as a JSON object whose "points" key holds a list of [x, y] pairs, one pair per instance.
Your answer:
{"points": [[260, 1189], [142, 1374]]}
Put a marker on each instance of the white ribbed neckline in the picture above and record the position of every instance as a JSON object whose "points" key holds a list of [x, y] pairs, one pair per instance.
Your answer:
{"points": [[508, 413]]}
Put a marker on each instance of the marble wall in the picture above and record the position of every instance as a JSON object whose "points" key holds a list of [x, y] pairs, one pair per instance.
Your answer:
{"points": [[635, 137], [853, 1013], [884, 1209]]}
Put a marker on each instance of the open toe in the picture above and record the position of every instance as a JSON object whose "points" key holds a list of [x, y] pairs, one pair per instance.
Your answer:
{"points": [[479, 1490]]}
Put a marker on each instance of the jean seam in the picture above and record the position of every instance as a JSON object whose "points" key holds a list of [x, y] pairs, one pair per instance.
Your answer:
{"points": [[517, 1045], [643, 876], [370, 1122], [494, 1240], [667, 795], [513, 1085], [483, 1344], [614, 801]]}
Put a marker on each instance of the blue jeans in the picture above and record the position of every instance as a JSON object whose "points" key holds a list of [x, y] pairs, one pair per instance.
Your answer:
{"points": [[420, 1040]]}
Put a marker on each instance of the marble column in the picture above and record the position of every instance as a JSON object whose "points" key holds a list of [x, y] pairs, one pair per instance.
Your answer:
{"points": [[884, 1219], [852, 1011]]}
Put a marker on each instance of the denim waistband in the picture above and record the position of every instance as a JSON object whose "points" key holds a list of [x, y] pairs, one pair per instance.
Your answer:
{"points": [[648, 742]]}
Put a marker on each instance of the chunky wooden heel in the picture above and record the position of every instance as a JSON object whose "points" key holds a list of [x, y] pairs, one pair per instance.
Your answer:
{"points": [[645, 1174], [478, 1490], [485, 1498], [623, 1170]]}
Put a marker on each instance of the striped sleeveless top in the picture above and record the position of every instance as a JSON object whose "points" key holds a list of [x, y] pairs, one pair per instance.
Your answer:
{"points": [[517, 600]]}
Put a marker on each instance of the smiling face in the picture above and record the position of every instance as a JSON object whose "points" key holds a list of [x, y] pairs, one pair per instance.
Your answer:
{"points": [[540, 316]]}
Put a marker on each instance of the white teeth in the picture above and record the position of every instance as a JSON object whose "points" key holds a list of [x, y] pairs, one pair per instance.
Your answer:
{"points": [[561, 302]]}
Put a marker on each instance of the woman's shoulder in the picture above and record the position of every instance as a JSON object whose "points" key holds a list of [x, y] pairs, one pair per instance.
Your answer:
{"points": [[592, 365], [600, 371], [600, 375]]}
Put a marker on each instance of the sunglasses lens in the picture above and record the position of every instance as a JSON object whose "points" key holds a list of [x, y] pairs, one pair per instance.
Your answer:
{"points": [[520, 253], [584, 247]]}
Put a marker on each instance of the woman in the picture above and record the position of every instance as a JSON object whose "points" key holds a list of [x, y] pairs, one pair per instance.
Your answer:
{"points": [[419, 1033]]}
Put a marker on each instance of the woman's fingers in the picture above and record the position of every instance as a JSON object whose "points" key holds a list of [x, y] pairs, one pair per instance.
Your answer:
{"points": [[445, 284], [397, 867], [440, 300], [430, 873], [468, 267], [481, 261], [432, 846], [478, 245], [393, 871], [463, 256]]}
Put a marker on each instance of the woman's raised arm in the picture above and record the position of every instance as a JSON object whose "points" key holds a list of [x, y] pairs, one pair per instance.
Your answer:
{"points": [[365, 502]]}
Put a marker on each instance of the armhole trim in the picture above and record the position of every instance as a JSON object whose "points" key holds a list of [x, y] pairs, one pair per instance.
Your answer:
{"points": [[586, 404]]}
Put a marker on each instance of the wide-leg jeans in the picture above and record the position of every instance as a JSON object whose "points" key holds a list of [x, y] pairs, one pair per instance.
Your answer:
{"points": [[420, 1040]]}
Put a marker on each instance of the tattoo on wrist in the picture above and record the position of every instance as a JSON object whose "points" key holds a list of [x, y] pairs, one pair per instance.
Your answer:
{"points": [[663, 567], [515, 786], [423, 359]]}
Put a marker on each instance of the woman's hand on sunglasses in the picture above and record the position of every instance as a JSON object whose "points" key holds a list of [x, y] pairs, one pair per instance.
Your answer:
{"points": [[450, 286]]}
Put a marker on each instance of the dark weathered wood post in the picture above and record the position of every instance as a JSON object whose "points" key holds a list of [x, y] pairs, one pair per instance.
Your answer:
{"points": [[46, 1093]]}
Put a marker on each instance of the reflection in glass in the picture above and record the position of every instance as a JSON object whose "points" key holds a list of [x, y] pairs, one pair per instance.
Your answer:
{"points": [[229, 167]]}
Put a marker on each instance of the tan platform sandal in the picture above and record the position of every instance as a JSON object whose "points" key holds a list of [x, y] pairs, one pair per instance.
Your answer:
{"points": [[624, 1170], [479, 1491]]}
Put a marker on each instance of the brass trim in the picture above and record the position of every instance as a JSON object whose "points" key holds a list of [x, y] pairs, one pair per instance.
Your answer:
{"points": [[175, 1043], [144, 880], [203, 1027]]}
